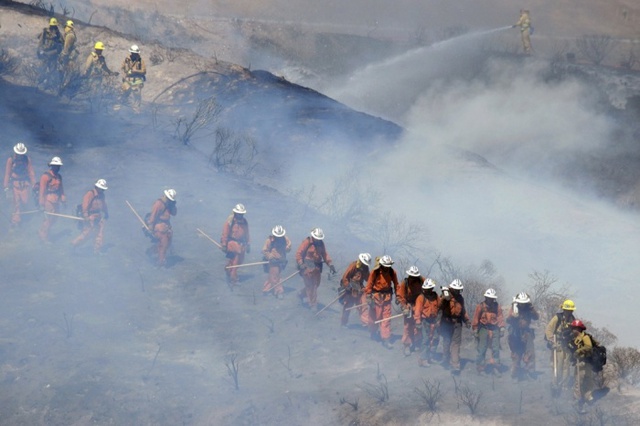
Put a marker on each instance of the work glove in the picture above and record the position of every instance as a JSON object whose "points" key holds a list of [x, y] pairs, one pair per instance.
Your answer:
{"points": [[332, 269], [513, 26], [248, 249], [501, 331], [418, 326], [115, 73], [476, 334], [224, 249], [369, 298], [406, 311], [467, 325], [550, 345]]}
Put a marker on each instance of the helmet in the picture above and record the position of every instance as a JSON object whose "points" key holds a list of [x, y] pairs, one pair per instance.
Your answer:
{"points": [[522, 298], [428, 284], [456, 285], [134, 49], [278, 231], [577, 324], [99, 45], [55, 161], [53, 21], [170, 194], [20, 148], [365, 258], [69, 24], [568, 305], [490, 293], [386, 261], [102, 184], [317, 234], [413, 271], [239, 208]]}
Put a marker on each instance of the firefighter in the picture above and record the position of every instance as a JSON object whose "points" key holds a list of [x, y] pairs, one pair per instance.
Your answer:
{"points": [[381, 286], [426, 318], [581, 347], [51, 196], [235, 241], [488, 326], [94, 71], [525, 30], [353, 279], [521, 336], [310, 256], [159, 223], [95, 213], [275, 251], [18, 179], [453, 316], [69, 52], [134, 73], [558, 336], [408, 291], [49, 48]]}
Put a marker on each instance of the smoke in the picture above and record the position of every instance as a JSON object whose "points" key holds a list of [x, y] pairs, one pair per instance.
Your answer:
{"points": [[480, 163]]}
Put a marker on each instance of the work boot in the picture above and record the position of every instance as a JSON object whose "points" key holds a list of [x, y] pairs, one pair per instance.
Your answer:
{"points": [[406, 350], [480, 369], [386, 344], [279, 296]]}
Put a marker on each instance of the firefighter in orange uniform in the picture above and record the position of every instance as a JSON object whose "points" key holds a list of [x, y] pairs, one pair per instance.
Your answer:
{"points": [[454, 315], [51, 196], [310, 256], [275, 251], [159, 223], [18, 179], [408, 291], [426, 318], [353, 279], [94, 213], [521, 336], [488, 325], [235, 241], [382, 284]]}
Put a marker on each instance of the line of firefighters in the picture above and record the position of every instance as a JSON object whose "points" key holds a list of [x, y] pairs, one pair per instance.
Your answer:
{"points": [[58, 54], [427, 315]]}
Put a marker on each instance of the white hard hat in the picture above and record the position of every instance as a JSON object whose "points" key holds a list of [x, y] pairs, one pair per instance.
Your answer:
{"points": [[522, 298], [170, 194], [102, 184], [386, 261], [413, 271], [134, 49], [55, 161], [20, 148], [365, 258], [278, 231], [317, 234], [491, 294], [239, 208], [428, 284], [456, 284]]}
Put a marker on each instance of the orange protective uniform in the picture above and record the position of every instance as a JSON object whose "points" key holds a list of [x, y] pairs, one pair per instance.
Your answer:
{"points": [[236, 242], [19, 178], [159, 223], [309, 257], [275, 251], [408, 291], [51, 195], [382, 284], [95, 213], [353, 283], [454, 314], [488, 323], [521, 338], [425, 314]]}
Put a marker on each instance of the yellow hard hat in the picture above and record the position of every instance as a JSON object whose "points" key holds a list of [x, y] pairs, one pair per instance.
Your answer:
{"points": [[53, 21], [568, 305], [99, 45], [69, 24]]}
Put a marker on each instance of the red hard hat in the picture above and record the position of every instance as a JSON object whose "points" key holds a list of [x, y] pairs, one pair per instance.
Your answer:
{"points": [[578, 324]]}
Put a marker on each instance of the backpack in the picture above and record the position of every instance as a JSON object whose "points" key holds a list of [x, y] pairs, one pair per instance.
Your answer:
{"points": [[598, 355]]}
